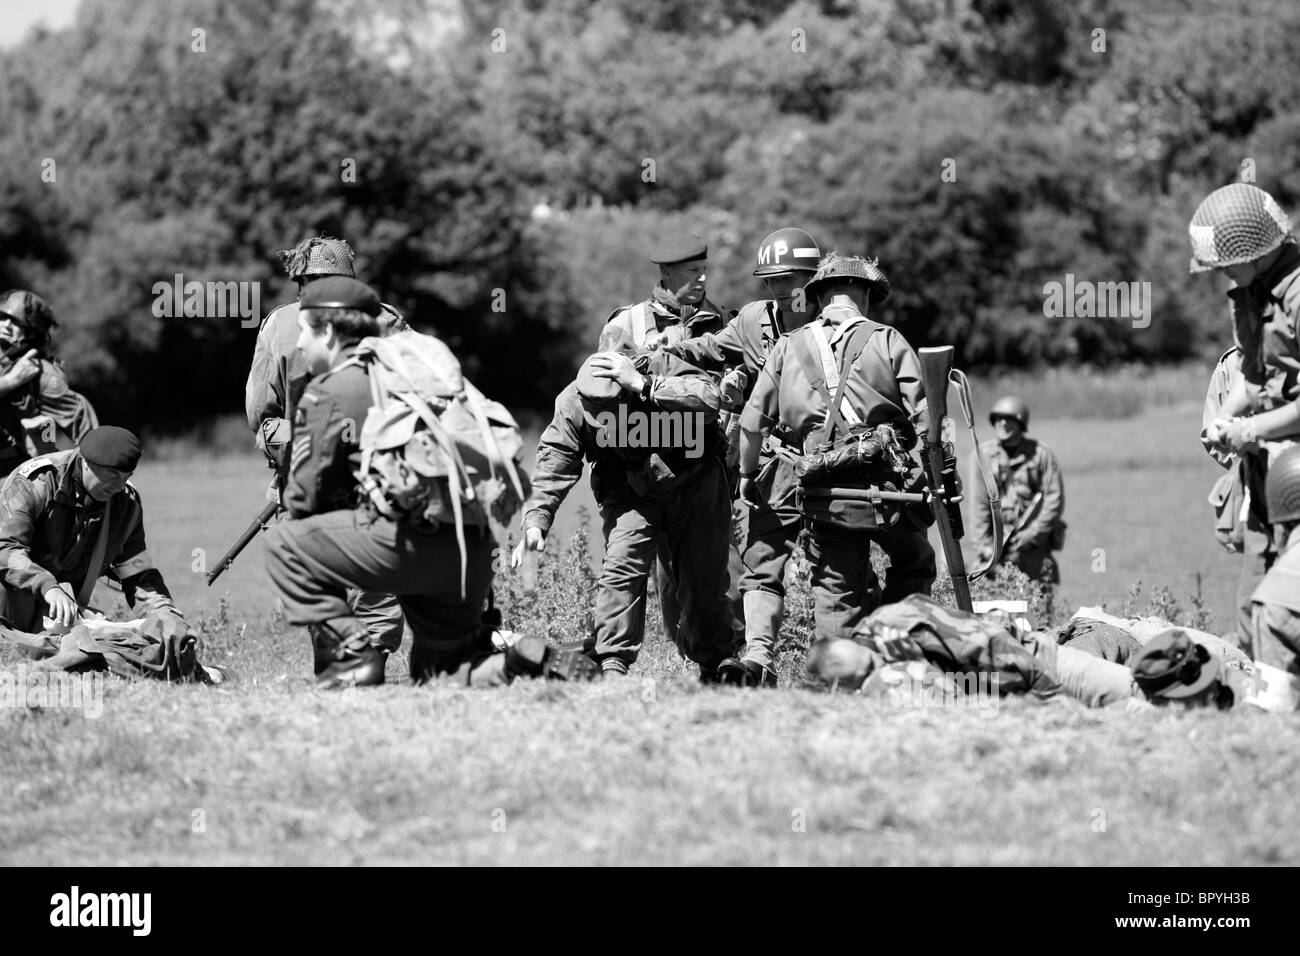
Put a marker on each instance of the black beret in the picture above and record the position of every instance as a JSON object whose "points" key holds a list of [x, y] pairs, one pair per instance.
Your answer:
{"points": [[340, 292], [111, 447], [681, 247]]}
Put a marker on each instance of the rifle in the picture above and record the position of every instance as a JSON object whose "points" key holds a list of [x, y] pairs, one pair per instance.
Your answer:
{"points": [[258, 524], [936, 366]]}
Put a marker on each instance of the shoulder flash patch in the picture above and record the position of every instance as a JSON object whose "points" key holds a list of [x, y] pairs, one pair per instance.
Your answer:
{"points": [[32, 466]]}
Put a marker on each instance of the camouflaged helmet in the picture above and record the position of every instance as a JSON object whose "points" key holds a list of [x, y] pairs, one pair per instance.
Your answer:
{"points": [[318, 256], [1235, 224], [1282, 487], [31, 312], [785, 251], [1009, 406], [849, 268]]}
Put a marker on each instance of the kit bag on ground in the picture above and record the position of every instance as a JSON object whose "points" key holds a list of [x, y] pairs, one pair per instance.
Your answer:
{"points": [[434, 449]]}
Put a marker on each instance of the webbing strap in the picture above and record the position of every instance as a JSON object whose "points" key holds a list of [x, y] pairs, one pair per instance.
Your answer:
{"points": [[962, 383], [832, 374], [641, 320]]}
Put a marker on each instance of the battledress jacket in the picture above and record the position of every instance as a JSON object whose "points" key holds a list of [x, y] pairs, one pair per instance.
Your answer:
{"points": [[49, 527]]}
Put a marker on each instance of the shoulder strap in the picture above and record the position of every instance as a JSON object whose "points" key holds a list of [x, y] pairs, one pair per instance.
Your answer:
{"points": [[824, 373], [639, 317], [96, 559]]}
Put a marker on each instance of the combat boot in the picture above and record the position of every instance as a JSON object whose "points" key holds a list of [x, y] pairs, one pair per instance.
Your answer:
{"points": [[742, 672], [345, 660], [531, 656]]}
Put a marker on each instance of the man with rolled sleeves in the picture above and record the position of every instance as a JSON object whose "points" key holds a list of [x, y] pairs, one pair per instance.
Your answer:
{"points": [[329, 548], [67, 518], [878, 379], [787, 258], [660, 495]]}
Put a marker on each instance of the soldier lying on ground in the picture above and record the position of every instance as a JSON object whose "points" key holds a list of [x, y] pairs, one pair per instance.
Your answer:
{"points": [[1170, 668]]}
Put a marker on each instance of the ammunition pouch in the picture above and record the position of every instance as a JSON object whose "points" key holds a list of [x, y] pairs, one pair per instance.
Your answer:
{"points": [[868, 463]]}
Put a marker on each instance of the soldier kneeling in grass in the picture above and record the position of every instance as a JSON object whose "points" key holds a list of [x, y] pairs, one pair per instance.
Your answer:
{"points": [[66, 519], [392, 487]]}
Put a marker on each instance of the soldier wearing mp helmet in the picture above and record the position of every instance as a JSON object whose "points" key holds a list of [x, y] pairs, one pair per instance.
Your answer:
{"points": [[787, 258]]}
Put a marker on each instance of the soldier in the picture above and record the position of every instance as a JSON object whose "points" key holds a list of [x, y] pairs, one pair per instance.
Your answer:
{"points": [[39, 413], [649, 429], [787, 258], [1275, 603], [324, 550], [677, 307], [1033, 495], [1241, 230], [69, 517], [877, 405], [276, 381]]}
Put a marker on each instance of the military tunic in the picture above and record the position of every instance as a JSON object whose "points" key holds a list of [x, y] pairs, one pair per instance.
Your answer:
{"points": [[49, 532], [654, 502], [1031, 470], [882, 386]]}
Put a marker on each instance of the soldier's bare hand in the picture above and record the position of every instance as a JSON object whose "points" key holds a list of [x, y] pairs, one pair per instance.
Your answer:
{"points": [[534, 540], [62, 609], [748, 490], [25, 369], [616, 366]]}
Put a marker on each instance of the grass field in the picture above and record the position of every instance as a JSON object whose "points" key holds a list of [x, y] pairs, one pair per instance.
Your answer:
{"points": [[652, 768]]}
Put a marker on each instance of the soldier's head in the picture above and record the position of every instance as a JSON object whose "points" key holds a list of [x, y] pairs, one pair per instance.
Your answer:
{"points": [[108, 458], [25, 321], [334, 313], [1172, 668], [787, 259], [683, 266], [597, 392], [1282, 496], [851, 279], [1239, 229], [1009, 417], [317, 258]]}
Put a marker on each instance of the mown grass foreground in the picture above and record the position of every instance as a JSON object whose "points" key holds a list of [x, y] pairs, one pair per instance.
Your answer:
{"points": [[649, 769]]}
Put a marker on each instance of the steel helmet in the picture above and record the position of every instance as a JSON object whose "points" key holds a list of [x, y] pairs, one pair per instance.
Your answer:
{"points": [[1009, 406], [787, 250], [318, 256], [30, 311], [865, 272], [1282, 487], [1234, 224]]}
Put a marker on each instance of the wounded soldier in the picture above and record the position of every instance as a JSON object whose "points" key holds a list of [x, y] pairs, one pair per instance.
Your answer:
{"points": [[1080, 660]]}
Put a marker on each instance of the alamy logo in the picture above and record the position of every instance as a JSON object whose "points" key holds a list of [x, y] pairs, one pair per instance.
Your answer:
{"points": [[651, 430], [208, 300], [75, 908], [1082, 299]]}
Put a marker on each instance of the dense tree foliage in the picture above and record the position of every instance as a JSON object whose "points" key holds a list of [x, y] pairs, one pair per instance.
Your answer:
{"points": [[512, 160]]}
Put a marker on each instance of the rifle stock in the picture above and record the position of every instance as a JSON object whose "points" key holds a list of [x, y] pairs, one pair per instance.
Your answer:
{"points": [[936, 364], [258, 524]]}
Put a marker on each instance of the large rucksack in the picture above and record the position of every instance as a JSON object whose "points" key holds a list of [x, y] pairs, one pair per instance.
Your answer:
{"points": [[434, 449]]}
